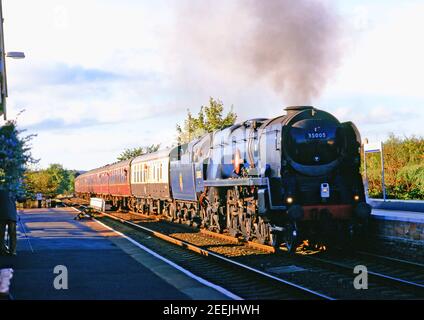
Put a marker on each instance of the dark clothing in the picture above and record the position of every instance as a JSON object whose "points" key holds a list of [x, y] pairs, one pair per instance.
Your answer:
{"points": [[8, 217], [7, 207], [11, 229]]}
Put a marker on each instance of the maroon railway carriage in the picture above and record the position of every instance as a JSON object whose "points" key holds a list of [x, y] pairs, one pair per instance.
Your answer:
{"points": [[98, 181], [111, 182], [119, 179]]}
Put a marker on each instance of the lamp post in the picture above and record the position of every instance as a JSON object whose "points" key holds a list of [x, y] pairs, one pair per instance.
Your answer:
{"points": [[3, 55]]}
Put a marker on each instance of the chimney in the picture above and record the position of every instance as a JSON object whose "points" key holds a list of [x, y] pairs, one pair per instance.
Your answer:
{"points": [[296, 109]]}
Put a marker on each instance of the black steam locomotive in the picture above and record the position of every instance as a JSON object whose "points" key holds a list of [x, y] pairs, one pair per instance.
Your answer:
{"points": [[280, 180]]}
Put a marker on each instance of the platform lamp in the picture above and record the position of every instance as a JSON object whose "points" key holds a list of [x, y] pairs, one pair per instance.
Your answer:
{"points": [[3, 55]]}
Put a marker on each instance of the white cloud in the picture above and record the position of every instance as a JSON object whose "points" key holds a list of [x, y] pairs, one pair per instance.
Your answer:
{"points": [[85, 121], [387, 60]]}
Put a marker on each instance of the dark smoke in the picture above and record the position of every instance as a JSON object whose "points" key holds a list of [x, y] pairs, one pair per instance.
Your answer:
{"points": [[294, 45]]}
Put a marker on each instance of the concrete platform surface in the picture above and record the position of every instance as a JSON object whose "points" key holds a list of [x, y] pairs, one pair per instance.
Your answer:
{"points": [[401, 205], [100, 263], [398, 215]]}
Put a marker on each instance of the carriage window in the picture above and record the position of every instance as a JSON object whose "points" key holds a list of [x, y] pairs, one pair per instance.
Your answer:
{"points": [[138, 174], [144, 173]]}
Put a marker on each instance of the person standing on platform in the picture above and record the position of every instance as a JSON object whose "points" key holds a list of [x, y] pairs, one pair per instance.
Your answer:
{"points": [[8, 218], [39, 197]]}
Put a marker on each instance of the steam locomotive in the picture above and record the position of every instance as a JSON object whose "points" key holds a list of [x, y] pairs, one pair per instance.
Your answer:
{"points": [[280, 180]]}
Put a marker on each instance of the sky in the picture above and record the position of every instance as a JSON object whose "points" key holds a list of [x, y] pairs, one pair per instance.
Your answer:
{"points": [[104, 75]]}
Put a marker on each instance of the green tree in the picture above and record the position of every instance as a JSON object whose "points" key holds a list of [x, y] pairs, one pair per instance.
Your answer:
{"points": [[39, 182], [135, 152], [59, 177], [15, 155], [51, 182], [209, 119]]}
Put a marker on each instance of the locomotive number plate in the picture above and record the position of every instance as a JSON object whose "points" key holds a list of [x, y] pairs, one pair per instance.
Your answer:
{"points": [[316, 135]]}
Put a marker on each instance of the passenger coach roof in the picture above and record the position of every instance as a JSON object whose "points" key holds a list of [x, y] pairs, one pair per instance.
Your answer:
{"points": [[152, 156], [101, 169], [106, 168], [124, 163]]}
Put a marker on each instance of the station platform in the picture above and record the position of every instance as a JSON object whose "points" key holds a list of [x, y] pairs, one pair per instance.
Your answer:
{"points": [[399, 225], [398, 234], [398, 215], [101, 264]]}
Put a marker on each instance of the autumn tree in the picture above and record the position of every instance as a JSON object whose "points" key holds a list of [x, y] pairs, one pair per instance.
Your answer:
{"points": [[209, 119], [403, 168], [51, 182], [135, 152]]}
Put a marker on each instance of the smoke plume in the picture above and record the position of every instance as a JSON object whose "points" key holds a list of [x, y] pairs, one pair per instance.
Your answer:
{"points": [[294, 46]]}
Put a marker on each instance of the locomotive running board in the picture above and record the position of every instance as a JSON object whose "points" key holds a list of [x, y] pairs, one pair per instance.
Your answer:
{"points": [[263, 182], [236, 182]]}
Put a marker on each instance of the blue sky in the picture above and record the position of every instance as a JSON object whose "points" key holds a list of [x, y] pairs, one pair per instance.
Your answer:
{"points": [[101, 76]]}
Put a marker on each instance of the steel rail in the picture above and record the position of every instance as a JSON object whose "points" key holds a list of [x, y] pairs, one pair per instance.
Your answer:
{"points": [[394, 260], [208, 253], [378, 276]]}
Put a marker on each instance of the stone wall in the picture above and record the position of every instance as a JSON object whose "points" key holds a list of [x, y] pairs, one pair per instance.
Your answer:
{"points": [[398, 239]]}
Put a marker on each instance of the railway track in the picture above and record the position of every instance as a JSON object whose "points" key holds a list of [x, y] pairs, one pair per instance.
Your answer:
{"points": [[394, 280], [286, 277], [381, 268], [240, 279], [408, 264]]}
